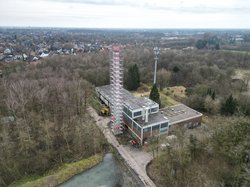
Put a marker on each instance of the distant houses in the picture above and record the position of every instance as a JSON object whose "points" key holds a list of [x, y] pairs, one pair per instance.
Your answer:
{"points": [[34, 46]]}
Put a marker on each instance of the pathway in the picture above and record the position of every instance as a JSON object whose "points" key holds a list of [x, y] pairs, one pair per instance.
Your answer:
{"points": [[136, 159]]}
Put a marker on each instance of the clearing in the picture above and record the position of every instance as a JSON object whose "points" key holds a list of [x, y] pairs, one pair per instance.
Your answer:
{"points": [[169, 95], [243, 74]]}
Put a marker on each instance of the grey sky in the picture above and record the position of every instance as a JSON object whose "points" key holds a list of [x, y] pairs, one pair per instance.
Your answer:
{"points": [[126, 13]]}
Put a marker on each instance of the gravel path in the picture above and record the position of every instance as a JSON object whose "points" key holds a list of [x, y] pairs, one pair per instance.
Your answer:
{"points": [[136, 159]]}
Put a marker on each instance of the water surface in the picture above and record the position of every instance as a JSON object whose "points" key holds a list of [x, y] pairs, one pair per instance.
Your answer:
{"points": [[109, 173]]}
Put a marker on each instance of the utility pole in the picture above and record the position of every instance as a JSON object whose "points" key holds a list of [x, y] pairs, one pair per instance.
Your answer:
{"points": [[156, 53]]}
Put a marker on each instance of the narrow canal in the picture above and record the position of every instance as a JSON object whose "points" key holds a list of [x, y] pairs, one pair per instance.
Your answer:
{"points": [[109, 173]]}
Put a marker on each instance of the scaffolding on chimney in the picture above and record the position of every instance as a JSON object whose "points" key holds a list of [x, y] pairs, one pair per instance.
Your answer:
{"points": [[116, 79]]}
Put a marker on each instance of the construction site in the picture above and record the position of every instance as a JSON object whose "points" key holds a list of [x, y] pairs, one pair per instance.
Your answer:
{"points": [[141, 116]]}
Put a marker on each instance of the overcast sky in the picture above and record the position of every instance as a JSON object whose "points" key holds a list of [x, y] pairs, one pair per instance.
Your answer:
{"points": [[126, 13]]}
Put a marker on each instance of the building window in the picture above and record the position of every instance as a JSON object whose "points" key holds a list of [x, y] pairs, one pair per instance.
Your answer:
{"points": [[147, 129], [127, 111], [126, 119], [134, 125], [137, 114], [138, 128], [163, 125], [156, 127], [154, 109]]}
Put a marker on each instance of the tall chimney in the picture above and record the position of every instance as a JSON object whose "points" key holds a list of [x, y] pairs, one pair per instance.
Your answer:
{"points": [[146, 115], [143, 113]]}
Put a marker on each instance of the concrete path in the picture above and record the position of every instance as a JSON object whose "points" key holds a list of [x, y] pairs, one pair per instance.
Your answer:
{"points": [[136, 159]]}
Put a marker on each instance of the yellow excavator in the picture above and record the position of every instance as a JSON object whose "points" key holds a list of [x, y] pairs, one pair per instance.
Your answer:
{"points": [[104, 111]]}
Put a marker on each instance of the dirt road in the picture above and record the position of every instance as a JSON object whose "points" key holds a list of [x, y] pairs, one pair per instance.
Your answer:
{"points": [[136, 159]]}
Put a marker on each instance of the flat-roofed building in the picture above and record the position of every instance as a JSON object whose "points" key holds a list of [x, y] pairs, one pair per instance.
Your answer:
{"points": [[181, 115], [140, 114], [143, 118]]}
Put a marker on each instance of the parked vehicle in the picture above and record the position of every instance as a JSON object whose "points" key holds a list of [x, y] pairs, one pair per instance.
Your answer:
{"points": [[104, 111]]}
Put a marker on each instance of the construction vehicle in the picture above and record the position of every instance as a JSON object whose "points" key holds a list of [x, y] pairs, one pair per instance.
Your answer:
{"points": [[104, 111]]}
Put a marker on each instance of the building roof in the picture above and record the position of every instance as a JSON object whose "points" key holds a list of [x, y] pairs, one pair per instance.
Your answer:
{"points": [[179, 113], [152, 119], [105, 91], [132, 102], [136, 103]]}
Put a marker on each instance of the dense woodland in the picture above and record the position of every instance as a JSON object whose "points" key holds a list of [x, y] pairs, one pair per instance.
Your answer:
{"points": [[44, 120], [214, 156]]}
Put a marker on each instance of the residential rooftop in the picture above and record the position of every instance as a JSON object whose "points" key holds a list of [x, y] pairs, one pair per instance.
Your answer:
{"points": [[179, 113]]}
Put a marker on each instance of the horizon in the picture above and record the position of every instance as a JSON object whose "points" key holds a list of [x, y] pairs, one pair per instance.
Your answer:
{"points": [[106, 28]]}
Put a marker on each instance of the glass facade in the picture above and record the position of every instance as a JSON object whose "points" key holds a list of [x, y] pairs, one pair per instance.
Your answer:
{"points": [[137, 114], [155, 127], [127, 120], [154, 109], [131, 122], [147, 129], [137, 128], [164, 127], [134, 125], [127, 111]]}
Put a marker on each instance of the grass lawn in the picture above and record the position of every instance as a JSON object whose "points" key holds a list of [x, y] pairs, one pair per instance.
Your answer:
{"points": [[167, 95], [167, 100], [245, 71], [241, 73], [175, 91], [60, 175]]}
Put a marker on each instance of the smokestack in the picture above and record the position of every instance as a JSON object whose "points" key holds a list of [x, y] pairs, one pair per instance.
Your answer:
{"points": [[146, 115], [143, 113]]}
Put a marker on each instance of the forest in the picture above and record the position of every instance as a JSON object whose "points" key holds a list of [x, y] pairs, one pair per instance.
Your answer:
{"points": [[217, 156], [44, 121]]}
